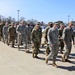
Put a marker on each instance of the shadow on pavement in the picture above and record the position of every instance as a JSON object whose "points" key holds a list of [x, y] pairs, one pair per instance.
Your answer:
{"points": [[59, 56], [41, 52], [72, 62], [73, 54], [41, 58], [70, 68], [71, 57]]}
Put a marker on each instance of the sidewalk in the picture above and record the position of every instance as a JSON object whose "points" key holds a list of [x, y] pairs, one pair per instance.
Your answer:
{"points": [[14, 62]]}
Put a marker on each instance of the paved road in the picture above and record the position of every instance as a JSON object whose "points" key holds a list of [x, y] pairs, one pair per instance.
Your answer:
{"points": [[14, 62]]}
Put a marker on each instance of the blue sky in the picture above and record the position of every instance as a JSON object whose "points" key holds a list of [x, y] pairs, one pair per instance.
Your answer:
{"points": [[41, 10]]}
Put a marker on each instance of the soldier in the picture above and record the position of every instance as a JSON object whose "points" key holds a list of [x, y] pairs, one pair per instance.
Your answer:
{"points": [[16, 33], [60, 38], [36, 40], [67, 37], [12, 34], [21, 34], [28, 31], [53, 43], [40, 30], [5, 33], [1, 29], [50, 25], [73, 36], [0, 32]]}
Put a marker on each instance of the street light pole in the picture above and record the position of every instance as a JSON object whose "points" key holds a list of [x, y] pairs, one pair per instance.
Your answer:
{"points": [[18, 15], [68, 18]]}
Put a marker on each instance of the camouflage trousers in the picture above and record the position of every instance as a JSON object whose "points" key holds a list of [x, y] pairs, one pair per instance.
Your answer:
{"points": [[11, 39], [47, 49], [5, 39], [28, 40], [61, 44], [67, 50], [36, 47], [22, 39], [54, 51], [0, 37]]}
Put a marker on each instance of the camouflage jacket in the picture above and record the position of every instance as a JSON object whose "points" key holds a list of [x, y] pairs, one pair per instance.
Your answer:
{"points": [[52, 36], [45, 33], [35, 35], [67, 34], [12, 31]]}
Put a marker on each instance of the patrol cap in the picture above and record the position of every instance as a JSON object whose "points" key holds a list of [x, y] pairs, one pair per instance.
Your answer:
{"points": [[50, 24], [56, 23], [61, 23], [12, 23], [38, 23], [22, 21]]}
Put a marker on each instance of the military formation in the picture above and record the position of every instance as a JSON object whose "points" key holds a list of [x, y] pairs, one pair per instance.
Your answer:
{"points": [[56, 38]]}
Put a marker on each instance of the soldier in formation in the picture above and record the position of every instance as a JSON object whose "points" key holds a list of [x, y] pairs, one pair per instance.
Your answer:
{"points": [[1, 29], [11, 34], [67, 37], [60, 38], [28, 32], [53, 44], [36, 38], [21, 34], [5, 32], [50, 25], [55, 38]]}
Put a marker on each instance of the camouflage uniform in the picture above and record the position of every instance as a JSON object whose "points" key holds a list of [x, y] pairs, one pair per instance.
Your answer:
{"points": [[53, 44], [5, 33], [21, 34], [1, 33], [50, 25], [28, 31], [67, 37], [45, 35], [40, 30], [36, 38], [12, 35], [61, 39]]}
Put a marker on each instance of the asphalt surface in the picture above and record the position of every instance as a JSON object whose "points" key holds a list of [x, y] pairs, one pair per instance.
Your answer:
{"points": [[14, 62]]}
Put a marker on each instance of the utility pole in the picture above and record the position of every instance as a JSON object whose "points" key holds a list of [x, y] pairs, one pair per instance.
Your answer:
{"points": [[18, 14], [72, 20], [68, 18]]}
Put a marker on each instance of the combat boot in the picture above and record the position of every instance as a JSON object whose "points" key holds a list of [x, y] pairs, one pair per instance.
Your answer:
{"points": [[33, 55], [46, 60], [13, 46], [66, 60], [63, 58], [36, 56], [19, 47], [54, 64], [46, 54], [61, 52]]}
